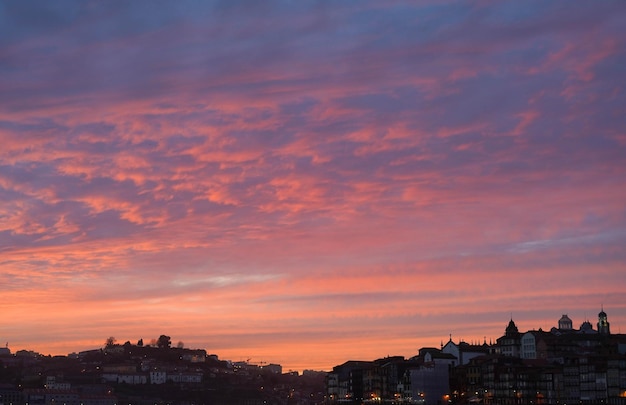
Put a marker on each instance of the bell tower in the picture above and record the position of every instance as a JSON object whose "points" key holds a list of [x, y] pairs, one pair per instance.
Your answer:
{"points": [[603, 323]]}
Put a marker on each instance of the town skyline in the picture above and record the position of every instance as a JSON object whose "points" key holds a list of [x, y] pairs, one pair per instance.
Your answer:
{"points": [[174, 342], [303, 182]]}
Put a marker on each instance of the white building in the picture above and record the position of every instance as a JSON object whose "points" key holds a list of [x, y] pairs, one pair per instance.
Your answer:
{"points": [[463, 351], [158, 377], [128, 378], [185, 378]]}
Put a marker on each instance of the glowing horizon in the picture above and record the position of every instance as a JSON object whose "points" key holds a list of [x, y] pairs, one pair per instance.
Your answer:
{"points": [[309, 183]]}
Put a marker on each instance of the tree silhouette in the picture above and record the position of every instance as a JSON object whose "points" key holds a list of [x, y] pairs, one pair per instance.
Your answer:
{"points": [[164, 342], [110, 341]]}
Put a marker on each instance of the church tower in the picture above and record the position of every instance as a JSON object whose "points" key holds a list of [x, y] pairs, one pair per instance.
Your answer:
{"points": [[603, 323], [509, 344]]}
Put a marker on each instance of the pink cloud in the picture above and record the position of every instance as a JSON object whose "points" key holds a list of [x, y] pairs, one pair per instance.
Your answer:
{"points": [[331, 184]]}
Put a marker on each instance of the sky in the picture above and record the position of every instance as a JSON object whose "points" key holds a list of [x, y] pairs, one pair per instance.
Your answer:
{"points": [[309, 182]]}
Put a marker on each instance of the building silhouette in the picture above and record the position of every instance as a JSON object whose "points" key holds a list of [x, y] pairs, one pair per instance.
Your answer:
{"points": [[565, 323], [603, 323], [557, 367]]}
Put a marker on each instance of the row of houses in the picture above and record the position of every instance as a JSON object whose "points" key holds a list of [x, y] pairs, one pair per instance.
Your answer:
{"points": [[560, 366], [153, 377], [91, 377], [40, 396]]}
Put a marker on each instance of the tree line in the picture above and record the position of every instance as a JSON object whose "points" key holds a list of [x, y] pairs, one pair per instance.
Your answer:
{"points": [[163, 342]]}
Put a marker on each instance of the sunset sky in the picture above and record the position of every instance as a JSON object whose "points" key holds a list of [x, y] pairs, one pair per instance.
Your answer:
{"points": [[309, 182]]}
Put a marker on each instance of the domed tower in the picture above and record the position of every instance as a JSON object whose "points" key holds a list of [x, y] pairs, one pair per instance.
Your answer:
{"points": [[565, 323], [603, 323]]}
